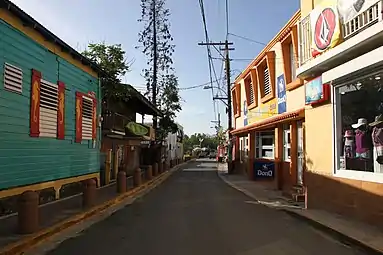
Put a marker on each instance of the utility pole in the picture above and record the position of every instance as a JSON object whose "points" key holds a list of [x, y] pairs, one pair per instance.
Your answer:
{"points": [[229, 110], [154, 85]]}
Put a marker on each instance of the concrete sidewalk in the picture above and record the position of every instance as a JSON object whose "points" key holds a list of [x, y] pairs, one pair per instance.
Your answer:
{"points": [[357, 233]]}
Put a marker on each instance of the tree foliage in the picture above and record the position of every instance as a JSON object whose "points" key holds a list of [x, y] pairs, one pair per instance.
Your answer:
{"points": [[157, 46], [209, 141], [111, 58]]}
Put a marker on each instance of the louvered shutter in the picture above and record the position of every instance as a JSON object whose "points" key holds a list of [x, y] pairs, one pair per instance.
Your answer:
{"points": [[13, 78]]}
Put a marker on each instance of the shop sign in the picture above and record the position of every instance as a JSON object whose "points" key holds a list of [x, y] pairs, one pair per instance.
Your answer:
{"points": [[137, 129], [316, 92], [281, 90], [325, 26], [264, 170], [262, 112], [245, 113]]}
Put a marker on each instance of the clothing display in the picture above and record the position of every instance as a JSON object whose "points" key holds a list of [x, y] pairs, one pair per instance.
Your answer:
{"points": [[349, 144], [377, 141], [362, 139]]}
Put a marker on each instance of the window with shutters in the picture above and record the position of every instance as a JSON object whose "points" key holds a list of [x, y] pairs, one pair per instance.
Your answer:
{"points": [[13, 78], [48, 109], [266, 82], [87, 115], [266, 77], [250, 82]]}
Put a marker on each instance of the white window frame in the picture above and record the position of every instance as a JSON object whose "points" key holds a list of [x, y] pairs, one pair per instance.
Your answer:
{"points": [[48, 110], [87, 128], [286, 143], [259, 146], [346, 173]]}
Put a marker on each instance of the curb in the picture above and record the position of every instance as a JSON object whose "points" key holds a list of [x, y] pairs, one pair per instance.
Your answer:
{"points": [[30, 241], [348, 240], [333, 232]]}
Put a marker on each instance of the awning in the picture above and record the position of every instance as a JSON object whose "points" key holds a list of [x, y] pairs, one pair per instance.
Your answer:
{"points": [[272, 121]]}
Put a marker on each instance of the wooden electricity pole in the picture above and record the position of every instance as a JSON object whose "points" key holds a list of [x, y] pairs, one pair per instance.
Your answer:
{"points": [[229, 110]]}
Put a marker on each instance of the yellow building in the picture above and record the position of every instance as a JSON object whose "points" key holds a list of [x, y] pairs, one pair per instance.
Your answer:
{"points": [[342, 50], [268, 106]]}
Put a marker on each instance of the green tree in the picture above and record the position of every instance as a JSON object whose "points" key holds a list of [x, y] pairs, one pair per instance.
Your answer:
{"points": [[111, 58], [157, 46]]}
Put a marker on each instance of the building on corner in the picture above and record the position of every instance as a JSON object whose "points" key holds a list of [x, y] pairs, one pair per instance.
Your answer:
{"points": [[268, 106], [341, 61]]}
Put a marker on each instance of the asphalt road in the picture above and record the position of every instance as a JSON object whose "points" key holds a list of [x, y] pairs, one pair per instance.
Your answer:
{"points": [[196, 213]]}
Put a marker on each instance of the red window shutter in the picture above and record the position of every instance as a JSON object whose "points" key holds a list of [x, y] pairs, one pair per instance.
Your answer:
{"points": [[78, 117], [35, 104], [94, 119], [61, 111]]}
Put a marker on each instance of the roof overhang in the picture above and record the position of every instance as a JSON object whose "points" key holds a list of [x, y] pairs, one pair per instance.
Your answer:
{"points": [[270, 122]]}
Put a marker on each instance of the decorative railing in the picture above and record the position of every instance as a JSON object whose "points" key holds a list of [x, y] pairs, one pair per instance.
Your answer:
{"points": [[365, 19]]}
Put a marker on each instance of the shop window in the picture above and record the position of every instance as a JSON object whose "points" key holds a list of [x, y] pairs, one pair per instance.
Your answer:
{"points": [[359, 127], [264, 145], [48, 109], [286, 143], [13, 78]]}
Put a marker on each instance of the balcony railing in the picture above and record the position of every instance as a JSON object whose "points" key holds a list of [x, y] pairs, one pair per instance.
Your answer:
{"points": [[115, 121], [370, 16], [365, 19]]}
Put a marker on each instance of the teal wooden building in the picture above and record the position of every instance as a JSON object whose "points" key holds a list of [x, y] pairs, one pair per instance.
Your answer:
{"points": [[49, 108]]}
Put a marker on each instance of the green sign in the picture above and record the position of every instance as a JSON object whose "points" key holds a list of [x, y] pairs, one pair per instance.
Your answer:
{"points": [[137, 129]]}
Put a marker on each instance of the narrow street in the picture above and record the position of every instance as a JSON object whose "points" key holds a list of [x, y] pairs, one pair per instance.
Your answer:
{"points": [[194, 212]]}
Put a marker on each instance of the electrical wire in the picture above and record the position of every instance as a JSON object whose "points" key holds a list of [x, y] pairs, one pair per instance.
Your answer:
{"points": [[247, 39]]}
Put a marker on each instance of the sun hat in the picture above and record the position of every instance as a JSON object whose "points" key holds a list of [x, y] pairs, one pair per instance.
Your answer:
{"points": [[348, 133], [378, 120], [361, 122]]}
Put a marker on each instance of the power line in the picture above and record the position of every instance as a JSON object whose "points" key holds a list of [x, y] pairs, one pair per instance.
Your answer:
{"points": [[198, 86], [247, 39]]}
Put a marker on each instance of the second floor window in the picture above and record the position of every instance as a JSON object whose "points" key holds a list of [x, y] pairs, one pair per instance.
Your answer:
{"points": [[267, 84]]}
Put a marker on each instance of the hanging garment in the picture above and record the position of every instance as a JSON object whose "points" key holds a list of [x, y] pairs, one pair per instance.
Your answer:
{"points": [[349, 148], [363, 144]]}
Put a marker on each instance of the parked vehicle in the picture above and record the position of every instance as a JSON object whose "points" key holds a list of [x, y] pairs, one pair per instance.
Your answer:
{"points": [[212, 154]]}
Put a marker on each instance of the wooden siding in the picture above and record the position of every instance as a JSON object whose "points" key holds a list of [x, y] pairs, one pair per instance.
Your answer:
{"points": [[27, 160]]}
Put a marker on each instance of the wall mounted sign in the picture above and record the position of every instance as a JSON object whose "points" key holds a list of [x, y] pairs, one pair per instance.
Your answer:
{"points": [[316, 92], [262, 112], [264, 170], [137, 129], [325, 27], [245, 122], [281, 90]]}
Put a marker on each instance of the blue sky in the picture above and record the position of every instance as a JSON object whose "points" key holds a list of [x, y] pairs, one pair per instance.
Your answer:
{"points": [[81, 22]]}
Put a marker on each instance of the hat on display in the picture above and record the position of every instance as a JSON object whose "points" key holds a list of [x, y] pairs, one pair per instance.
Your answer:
{"points": [[361, 122], [349, 133], [378, 120]]}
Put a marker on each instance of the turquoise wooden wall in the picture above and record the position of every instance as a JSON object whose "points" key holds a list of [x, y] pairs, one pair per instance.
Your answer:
{"points": [[26, 160]]}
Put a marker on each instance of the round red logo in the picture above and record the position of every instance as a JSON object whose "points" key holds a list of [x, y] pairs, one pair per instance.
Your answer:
{"points": [[324, 28]]}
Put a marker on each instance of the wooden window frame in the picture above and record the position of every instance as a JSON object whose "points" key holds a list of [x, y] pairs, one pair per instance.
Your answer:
{"points": [[268, 62], [251, 79], [235, 100], [291, 38]]}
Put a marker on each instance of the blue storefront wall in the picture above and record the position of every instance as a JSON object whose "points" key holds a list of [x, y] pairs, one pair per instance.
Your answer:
{"points": [[27, 160]]}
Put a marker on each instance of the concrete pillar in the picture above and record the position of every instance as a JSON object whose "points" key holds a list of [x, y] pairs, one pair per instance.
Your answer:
{"points": [[137, 177], [28, 212], [155, 169], [149, 173], [89, 193], [121, 182]]}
